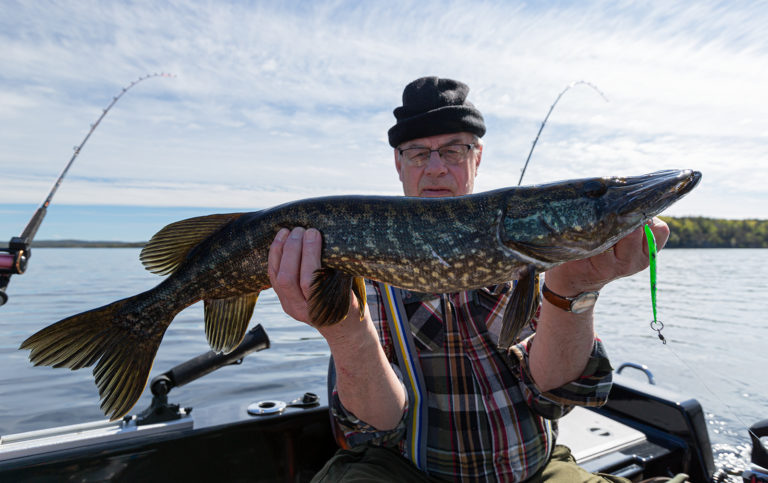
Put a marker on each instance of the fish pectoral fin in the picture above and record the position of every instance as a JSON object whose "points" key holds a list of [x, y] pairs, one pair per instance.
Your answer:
{"points": [[226, 321], [329, 296], [358, 288], [171, 245], [521, 308]]}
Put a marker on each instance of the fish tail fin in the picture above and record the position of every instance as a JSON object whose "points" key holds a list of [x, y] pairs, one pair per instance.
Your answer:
{"points": [[111, 335], [520, 309]]}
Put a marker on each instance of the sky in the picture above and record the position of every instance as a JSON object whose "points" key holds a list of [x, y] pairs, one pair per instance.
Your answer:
{"points": [[276, 101]]}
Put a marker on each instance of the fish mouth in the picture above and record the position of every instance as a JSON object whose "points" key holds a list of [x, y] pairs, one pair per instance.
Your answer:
{"points": [[645, 196]]}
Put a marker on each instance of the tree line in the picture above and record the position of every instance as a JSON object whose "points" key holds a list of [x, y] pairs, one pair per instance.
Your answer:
{"points": [[701, 232]]}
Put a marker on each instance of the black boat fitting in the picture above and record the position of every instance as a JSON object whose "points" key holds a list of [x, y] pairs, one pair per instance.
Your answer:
{"points": [[759, 471], [255, 339]]}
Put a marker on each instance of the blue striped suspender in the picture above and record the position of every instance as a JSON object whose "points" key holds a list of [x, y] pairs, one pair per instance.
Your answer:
{"points": [[408, 359]]}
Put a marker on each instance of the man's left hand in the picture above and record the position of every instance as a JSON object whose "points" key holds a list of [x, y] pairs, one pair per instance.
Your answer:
{"points": [[627, 257]]}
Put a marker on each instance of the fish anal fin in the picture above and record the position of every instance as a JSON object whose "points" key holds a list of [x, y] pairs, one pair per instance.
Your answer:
{"points": [[226, 320], [329, 296], [171, 245], [521, 307]]}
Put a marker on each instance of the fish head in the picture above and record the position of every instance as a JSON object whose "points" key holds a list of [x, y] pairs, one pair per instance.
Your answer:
{"points": [[558, 222]]}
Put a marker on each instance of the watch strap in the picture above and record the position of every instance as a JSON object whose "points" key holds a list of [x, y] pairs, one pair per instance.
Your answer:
{"points": [[557, 300], [567, 303]]}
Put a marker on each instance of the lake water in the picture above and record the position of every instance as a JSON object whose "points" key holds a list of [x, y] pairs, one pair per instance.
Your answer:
{"points": [[710, 301]]}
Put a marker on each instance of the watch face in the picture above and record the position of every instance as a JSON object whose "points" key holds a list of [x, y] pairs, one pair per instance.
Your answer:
{"points": [[583, 302]]}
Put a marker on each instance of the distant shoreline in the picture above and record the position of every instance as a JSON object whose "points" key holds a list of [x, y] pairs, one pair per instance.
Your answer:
{"points": [[82, 244], [686, 232]]}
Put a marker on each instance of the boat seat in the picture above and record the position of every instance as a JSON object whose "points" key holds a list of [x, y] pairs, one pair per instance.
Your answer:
{"points": [[596, 442]]}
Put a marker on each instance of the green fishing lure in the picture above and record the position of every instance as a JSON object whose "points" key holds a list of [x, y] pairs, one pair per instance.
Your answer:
{"points": [[656, 324]]}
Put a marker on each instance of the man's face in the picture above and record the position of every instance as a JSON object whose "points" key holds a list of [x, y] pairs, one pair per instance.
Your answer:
{"points": [[436, 178]]}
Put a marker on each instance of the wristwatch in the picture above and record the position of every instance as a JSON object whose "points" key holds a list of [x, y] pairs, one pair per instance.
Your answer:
{"points": [[577, 304]]}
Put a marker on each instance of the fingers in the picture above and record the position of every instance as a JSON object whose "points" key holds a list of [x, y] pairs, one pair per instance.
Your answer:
{"points": [[293, 257], [276, 254], [660, 231], [628, 256], [627, 247], [290, 262], [282, 268], [631, 247], [631, 252], [310, 260]]}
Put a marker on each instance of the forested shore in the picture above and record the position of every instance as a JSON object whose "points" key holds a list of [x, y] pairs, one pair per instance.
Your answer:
{"points": [[701, 232], [687, 232]]}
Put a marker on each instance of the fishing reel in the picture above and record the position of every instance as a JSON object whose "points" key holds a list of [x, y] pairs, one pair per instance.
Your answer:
{"points": [[13, 261]]}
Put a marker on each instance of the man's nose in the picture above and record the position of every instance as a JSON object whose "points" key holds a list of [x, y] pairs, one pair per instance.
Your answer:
{"points": [[435, 163]]}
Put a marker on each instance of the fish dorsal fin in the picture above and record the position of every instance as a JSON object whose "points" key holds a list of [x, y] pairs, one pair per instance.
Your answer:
{"points": [[171, 245], [226, 320]]}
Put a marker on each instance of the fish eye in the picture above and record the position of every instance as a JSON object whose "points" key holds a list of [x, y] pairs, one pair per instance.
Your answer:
{"points": [[594, 188]]}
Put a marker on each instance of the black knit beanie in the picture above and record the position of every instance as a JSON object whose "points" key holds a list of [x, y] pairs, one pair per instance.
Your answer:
{"points": [[432, 106]]}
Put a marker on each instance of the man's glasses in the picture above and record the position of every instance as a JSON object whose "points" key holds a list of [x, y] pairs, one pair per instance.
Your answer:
{"points": [[452, 154]]}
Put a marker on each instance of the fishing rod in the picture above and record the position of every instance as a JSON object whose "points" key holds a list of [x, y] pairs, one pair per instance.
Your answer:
{"points": [[14, 259], [551, 108], [541, 128]]}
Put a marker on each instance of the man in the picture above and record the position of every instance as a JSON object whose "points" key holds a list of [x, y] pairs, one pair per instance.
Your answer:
{"points": [[489, 411]]}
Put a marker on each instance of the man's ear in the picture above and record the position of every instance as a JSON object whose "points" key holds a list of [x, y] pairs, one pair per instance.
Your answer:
{"points": [[479, 150], [398, 165]]}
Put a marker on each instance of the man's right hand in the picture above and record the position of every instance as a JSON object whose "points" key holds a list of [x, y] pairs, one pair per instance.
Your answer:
{"points": [[293, 258], [367, 385]]}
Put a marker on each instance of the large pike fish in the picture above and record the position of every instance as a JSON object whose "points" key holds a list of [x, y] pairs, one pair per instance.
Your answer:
{"points": [[429, 245]]}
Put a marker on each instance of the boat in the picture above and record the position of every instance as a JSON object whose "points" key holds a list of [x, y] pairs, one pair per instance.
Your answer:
{"points": [[643, 431]]}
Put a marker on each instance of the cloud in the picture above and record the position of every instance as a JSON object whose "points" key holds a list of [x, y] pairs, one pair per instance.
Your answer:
{"points": [[293, 99]]}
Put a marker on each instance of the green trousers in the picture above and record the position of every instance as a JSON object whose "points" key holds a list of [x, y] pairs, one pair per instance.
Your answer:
{"points": [[374, 463]]}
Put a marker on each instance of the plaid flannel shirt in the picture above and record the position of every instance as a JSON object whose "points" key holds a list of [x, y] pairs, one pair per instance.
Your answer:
{"points": [[487, 420]]}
